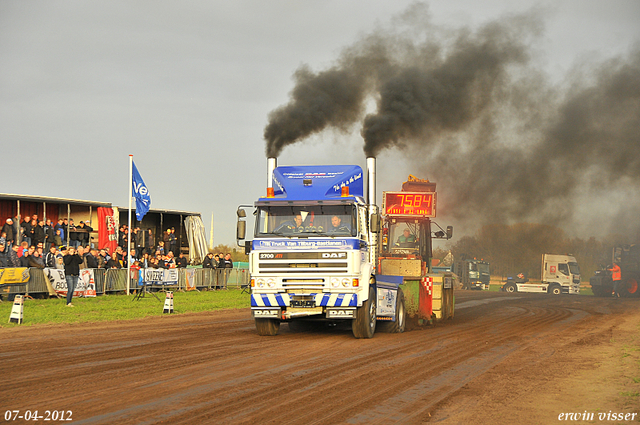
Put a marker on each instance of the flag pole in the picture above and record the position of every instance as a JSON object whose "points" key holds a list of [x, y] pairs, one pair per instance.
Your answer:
{"points": [[129, 223]]}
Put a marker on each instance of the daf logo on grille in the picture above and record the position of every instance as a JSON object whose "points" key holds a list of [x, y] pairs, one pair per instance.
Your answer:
{"points": [[334, 255], [266, 313]]}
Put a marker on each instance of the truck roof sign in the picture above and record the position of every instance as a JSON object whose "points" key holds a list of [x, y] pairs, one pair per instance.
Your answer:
{"points": [[316, 182]]}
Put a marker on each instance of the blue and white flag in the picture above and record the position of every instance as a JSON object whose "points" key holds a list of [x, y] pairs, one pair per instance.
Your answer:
{"points": [[141, 193]]}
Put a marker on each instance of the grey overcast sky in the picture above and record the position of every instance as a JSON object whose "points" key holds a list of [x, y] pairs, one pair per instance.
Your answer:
{"points": [[187, 88]]}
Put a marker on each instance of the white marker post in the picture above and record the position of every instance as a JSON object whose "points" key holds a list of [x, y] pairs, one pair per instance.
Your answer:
{"points": [[17, 309]]}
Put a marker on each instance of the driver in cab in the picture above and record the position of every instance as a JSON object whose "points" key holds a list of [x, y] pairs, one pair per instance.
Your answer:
{"points": [[337, 226], [406, 239], [290, 225]]}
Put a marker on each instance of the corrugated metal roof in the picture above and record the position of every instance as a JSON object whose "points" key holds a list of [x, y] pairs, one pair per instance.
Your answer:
{"points": [[30, 198], [50, 199]]}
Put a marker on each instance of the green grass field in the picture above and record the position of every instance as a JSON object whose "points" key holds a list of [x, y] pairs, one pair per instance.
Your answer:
{"points": [[120, 307]]}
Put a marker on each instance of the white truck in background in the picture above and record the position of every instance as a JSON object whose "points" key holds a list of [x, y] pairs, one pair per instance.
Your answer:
{"points": [[560, 274]]}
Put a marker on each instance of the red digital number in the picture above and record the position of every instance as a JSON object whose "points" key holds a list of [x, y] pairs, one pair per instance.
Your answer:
{"points": [[409, 201]]}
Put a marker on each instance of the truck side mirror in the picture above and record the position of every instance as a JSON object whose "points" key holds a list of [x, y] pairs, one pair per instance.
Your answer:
{"points": [[241, 229], [449, 232], [247, 247], [374, 224]]}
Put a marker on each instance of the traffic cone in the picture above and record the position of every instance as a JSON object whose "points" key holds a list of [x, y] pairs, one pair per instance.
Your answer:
{"points": [[16, 310], [168, 303]]}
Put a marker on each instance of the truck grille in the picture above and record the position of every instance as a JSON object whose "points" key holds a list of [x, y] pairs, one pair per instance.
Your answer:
{"points": [[302, 263], [316, 267]]}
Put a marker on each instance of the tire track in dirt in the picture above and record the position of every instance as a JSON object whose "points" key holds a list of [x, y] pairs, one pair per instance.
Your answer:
{"points": [[283, 389], [214, 368]]}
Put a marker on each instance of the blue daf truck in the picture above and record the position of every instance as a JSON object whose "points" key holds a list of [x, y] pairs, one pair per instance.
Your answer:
{"points": [[314, 251]]}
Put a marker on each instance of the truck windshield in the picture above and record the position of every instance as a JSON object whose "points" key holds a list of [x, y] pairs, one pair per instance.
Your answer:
{"points": [[573, 267], [483, 268], [316, 220]]}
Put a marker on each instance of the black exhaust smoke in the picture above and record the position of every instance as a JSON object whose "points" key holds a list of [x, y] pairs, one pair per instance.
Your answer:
{"points": [[470, 110]]}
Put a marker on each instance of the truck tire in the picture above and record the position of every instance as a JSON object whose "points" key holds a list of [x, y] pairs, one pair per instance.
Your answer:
{"points": [[555, 289], [401, 317], [364, 325], [630, 288], [267, 327], [511, 288]]}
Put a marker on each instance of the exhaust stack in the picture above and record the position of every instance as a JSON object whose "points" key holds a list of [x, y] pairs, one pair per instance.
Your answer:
{"points": [[272, 163], [371, 180]]}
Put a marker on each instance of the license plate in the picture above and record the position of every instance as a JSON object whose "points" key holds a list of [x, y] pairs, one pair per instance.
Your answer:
{"points": [[303, 303]]}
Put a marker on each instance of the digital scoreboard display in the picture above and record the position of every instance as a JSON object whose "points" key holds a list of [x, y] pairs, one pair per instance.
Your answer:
{"points": [[409, 204]]}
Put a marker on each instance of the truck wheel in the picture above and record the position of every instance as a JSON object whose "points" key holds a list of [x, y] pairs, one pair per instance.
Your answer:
{"points": [[399, 325], [267, 327], [364, 325], [630, 288], [555, 289], [511, 288]]}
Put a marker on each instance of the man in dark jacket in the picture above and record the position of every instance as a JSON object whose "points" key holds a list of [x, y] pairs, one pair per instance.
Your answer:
{"points": [[207, 262], [82, 235], [173, 241], [39, 233], [49, 234], [8, 230], [36, 260], [4, 261], [50, 258], [26, 229], [181, 261], [24, 260], [91, 259], [72, 263], [14, 260], [228, 264], [73, 234]]}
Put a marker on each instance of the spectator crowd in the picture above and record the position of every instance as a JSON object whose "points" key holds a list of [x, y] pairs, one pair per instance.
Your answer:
{"points": [[41, 243]]}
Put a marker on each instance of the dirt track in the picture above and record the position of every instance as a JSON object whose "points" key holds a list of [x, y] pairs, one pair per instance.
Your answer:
{"points": [[503, 359]]}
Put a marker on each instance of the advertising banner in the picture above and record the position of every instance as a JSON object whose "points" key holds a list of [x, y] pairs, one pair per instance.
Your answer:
{"points": [[190, 276], [161, 276], [86, 283], [88, 280], [107, 229], [14, 276]]}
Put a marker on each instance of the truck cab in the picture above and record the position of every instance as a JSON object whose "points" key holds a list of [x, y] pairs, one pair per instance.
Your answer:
{"points": [[473, 273], [313, 253], [560, 274]]}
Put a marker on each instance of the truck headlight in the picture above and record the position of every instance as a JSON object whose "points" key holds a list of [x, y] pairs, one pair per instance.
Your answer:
{"points": [[335, 282], [260, 282], [346, 282], [271, 282]]}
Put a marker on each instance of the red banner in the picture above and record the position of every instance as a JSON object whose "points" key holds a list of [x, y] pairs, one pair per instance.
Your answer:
{"points": [[107, 229]]}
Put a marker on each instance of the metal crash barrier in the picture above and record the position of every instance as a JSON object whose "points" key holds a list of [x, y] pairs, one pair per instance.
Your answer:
{"points": [[110, 281]]}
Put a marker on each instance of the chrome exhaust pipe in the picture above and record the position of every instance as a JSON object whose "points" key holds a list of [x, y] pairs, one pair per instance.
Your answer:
{"points": [[272, 163], [371, 180]]}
